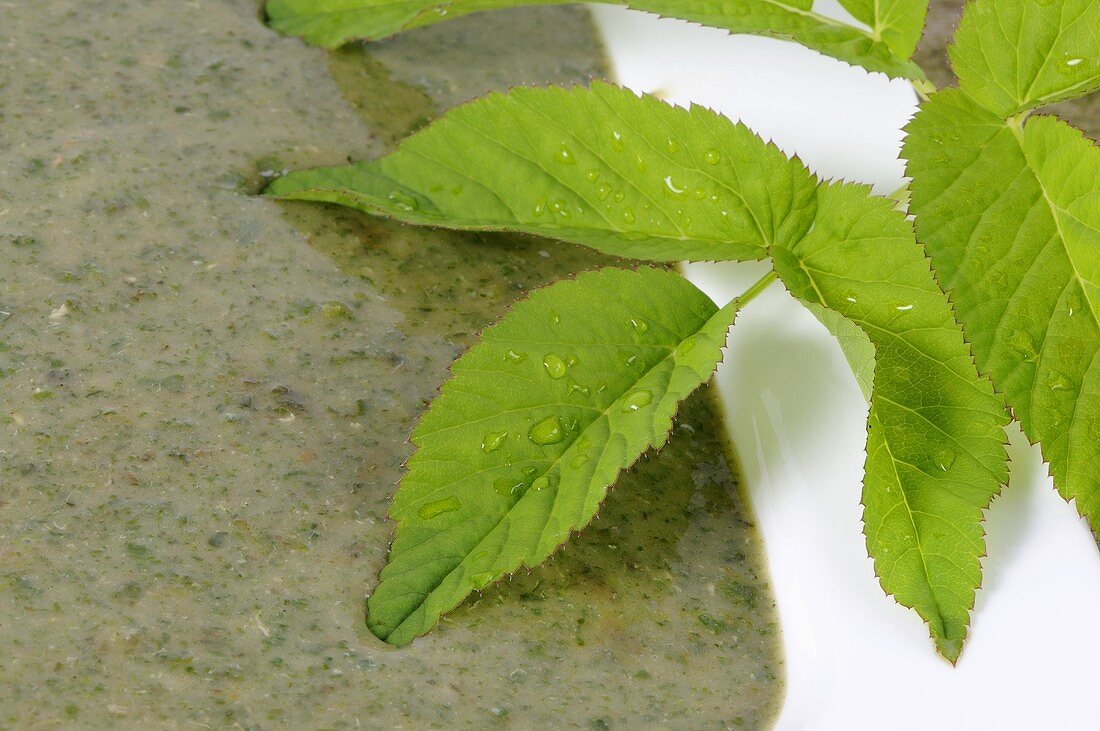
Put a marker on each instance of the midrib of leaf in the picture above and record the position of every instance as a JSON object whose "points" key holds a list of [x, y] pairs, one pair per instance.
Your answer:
{"points": [[1055, 211], [727, 311], [854, 238], [725, 224], [939, 630]]}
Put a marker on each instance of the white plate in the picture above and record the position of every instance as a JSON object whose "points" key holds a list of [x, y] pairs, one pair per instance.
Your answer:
{"points": [[855, 659]]}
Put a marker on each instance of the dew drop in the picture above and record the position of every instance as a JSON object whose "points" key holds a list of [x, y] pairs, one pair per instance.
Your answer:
{"points": [[673, 187], [579, 389], [620, 196], [945, 458], [628, 215], [1073, 302], [603, 191], [530, 472], [482, 579], [541, 483], [565, 156], [509, 486], [579, 460], [617, 140], [404, 201], [673, 146], [1022, 343], [640, 326], [640, 163], [546, 432], [555, 318], [492, 440], [628, 358], [1058, 381], [637, 400], [712, 157], [514, 356], [428, 511], [699, 194], [555, 366], [592, 175], [1070, 63]]}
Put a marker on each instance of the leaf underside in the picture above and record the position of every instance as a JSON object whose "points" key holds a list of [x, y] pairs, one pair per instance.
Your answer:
{"points": [[935, 436], [518, 451], [1009, 211], [332, 23], [935, 439]]}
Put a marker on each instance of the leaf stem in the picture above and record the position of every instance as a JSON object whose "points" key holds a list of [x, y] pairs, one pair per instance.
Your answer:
{"points": [[759, 286]]}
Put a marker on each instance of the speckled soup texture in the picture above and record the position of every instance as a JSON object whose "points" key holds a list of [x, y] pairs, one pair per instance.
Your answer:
{"points": [[207, 394]]}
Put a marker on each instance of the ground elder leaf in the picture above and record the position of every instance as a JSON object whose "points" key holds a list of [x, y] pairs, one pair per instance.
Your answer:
{"points": [[1014, 55], [629, 176], [332, 23], [1010, 213], [518, 451], [935, 441], [897, 22]]}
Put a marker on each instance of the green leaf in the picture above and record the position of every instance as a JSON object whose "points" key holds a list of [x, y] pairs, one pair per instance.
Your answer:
{"points": [[1010, 214], [518, 451], [331, 23], [935, 442], [897, 22], [854, 343], [1014, 55], [627, 176]]}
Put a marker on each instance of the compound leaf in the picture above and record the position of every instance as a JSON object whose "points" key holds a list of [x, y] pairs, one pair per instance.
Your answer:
{"points": [[1014, 55], [332, 23], [1010, 213], [935, 438], [518, 451], [628, 176]]}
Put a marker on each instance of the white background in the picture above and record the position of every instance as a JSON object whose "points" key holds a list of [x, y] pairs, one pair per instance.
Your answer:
{"points": [[855, 659]]}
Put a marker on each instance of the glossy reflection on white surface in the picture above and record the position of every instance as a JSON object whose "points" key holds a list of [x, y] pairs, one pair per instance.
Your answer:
{"points": [[855, 659]]}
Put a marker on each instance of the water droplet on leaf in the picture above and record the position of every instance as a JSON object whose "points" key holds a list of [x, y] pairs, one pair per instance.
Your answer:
{"points": [[712, 157], [482, 579], [1022, 343], [555, 366], [565, 156], [637, 400], [541, 483], [428, 511], [404, 201], [945, 458], [492, 440], [508, 486], [515, 357], [546, 432]]}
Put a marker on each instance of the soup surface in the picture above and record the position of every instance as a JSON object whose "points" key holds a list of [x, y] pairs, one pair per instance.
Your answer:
{"points": [[207, 397]]}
